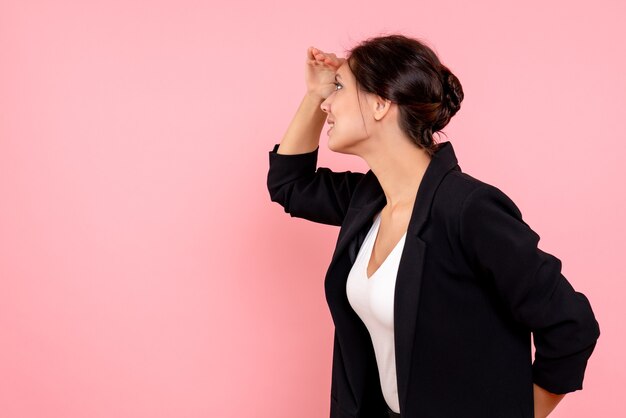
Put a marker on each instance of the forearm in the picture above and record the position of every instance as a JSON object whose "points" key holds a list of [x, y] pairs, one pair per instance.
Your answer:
{"points": [[303, 133], [545, 401]]}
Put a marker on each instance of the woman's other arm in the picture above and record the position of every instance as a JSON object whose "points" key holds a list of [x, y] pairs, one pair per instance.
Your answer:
{"points": [[503, 247]]}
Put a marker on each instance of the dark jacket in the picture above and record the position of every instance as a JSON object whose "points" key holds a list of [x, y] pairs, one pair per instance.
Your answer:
{"points": [[471, 287]]}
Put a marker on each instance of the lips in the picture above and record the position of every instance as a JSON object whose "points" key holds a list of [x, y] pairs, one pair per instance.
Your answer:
{"points": [[331, 122]]}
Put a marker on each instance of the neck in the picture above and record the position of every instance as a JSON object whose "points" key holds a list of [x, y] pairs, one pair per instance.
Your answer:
{"points": [[399, 169]]}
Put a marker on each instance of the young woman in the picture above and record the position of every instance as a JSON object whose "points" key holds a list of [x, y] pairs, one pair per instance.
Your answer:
{"points": [[436, 282]]}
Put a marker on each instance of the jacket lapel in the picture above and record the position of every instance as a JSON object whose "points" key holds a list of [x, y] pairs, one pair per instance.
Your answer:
{"points": [[358, 220]]}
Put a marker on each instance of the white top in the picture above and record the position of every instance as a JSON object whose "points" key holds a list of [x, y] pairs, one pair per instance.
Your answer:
{"points": [[372, 299]]}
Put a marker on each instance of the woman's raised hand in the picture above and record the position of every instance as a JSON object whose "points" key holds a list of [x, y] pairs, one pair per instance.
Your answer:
{"points": [[320, 72]]}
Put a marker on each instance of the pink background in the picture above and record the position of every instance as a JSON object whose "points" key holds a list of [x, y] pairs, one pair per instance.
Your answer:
{"points": [[144, 271]]}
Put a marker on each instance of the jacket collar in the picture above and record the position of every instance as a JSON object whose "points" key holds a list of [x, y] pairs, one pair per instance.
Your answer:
{"points": [[371, 197]]}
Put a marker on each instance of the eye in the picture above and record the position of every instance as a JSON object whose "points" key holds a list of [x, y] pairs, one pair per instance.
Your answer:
{"points": [[338, 85]]}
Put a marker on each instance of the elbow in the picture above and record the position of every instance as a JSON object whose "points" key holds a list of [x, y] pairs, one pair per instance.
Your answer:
{"points": [[280, 195], [590, 328]]}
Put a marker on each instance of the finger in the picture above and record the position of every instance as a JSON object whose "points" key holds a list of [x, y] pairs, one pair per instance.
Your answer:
{"points": [[334, 58], [319, 53], [312, 51], [333, 63]]}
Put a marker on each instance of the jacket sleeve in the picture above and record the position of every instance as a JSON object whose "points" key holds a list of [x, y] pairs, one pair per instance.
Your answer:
{"points": [[503, 248], [320, 195]]}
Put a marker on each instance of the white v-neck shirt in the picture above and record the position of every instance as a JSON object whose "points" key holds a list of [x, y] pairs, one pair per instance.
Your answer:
{"points": [[373, 300]]}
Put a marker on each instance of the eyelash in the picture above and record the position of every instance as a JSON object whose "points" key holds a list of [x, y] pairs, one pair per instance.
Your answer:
{"points": [[337, 84]]}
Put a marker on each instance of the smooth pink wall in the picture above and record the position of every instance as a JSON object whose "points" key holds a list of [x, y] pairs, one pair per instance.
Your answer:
{"points": [[144, 271]]}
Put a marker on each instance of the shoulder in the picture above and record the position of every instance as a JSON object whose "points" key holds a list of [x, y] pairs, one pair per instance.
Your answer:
{"points": [[456, 187], [459, 190]]}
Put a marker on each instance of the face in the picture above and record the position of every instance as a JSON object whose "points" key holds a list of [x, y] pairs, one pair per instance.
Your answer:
{"points": [[344, 112]]}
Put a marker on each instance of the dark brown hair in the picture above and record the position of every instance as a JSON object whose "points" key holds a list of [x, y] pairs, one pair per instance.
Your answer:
{"points": [[409, 73]]}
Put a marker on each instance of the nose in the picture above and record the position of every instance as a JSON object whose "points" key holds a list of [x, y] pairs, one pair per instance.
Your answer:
{"points": [[325, 106]]}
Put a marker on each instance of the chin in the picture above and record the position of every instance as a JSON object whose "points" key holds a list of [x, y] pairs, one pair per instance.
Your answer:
{"points": [[333, 146], [343, 147], [329, 143]]}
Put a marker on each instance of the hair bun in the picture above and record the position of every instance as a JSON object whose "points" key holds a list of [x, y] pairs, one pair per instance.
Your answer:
{"points": [[452, 90]]}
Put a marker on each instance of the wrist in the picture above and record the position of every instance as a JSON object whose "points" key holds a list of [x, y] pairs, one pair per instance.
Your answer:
{"points": [[314, 97], [544, 401]]}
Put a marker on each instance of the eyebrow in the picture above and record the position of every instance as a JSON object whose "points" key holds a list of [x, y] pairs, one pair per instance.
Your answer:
{"points": [[337, 75]]}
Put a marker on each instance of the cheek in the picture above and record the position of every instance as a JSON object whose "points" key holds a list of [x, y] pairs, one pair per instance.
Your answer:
{"points": [[353, 124]]}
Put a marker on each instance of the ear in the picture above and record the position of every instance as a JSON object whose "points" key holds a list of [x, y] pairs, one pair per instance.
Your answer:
{"points": [[380, 107]]}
